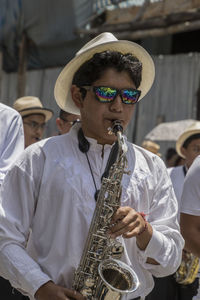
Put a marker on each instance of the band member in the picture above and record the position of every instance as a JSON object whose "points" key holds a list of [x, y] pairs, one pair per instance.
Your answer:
{"points": [[34, 117], [188, 148], [58, 180], [190, 210], [12, 138], [172, 159], [65, 121], [151, 146], [11, 145]]}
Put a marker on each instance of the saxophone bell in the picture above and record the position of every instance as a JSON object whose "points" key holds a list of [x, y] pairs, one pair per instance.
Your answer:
{"points": [[116, 279]]}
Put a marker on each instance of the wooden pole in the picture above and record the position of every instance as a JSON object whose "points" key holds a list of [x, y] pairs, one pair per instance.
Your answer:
{"points": [[21, 78], [156, 32], [153, 32], [198, 103]]}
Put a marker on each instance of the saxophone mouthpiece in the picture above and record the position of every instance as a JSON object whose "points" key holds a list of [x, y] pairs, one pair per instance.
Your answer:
{"points": [[116, 126]]}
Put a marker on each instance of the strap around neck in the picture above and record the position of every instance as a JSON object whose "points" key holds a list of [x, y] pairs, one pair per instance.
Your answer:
{"points": [[83, 143], [84, 146], [111, 159]]}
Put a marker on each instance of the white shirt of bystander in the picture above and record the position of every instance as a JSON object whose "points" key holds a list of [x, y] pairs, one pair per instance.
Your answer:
{"points": [[11, 138], [190, 202]]}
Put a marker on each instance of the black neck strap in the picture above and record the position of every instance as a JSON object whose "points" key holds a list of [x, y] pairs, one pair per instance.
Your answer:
{"points": [[83, 143], [84, 146], [111, 160], [184, 170]]}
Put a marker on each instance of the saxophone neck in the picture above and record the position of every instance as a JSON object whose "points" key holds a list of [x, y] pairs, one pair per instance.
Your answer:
{"points": [[117, 129]]}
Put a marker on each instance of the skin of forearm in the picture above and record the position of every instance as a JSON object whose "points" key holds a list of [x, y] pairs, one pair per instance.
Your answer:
{"points": [[192, 242], [190, 229], [143, 240]]}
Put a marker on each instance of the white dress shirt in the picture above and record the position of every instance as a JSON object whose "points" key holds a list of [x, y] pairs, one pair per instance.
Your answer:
{"points": [[11, 138], [190, 202], [177, 177], [50, 190]]}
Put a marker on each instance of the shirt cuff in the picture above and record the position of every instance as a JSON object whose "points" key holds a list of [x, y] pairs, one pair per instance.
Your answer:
{"points": [[39, 280], [153, 248], [22, 271]]}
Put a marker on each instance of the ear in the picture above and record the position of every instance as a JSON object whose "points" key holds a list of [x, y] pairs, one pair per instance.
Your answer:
{"points": [[58, 123], [184, 151], [76, 96]]}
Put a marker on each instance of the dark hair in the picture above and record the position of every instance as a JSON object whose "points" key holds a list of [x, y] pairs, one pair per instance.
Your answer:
{"points": [[190, 139], [170, 153], [63, 114], [93, 69], [177, 161]]}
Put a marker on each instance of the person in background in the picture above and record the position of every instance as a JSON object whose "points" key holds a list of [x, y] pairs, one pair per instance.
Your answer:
{"points": [[58, 180], [11, 138], [190, 213], [65, 121], [11, 146], [34, 117], [172, 159], [151, 146], [188, 148], [190, 210]]}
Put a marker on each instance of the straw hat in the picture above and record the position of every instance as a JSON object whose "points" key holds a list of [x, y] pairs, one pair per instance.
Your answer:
{"points": [[104, 41], [151, 146], [191, 130], [29, 105]]}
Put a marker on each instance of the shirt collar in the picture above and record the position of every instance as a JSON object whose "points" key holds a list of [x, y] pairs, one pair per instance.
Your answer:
{"points": [[94, 146]]}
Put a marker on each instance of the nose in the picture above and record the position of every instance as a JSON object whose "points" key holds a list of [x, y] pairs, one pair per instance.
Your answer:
{"points": [[40, 131], [117, 104]]}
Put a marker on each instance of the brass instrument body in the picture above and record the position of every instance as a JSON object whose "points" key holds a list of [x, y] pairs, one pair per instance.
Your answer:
{"points": [[100, 275], [188, 269]]}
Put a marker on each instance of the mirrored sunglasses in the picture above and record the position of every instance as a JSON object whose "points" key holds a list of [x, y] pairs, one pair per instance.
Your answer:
{"points": [[105, 94]]}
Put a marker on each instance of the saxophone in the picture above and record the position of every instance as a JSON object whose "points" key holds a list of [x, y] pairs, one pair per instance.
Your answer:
{"points": [[100, 274]]}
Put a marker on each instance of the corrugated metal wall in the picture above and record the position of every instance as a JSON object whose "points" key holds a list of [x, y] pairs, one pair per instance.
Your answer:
{"points": [[39, 83], [173, 95]]}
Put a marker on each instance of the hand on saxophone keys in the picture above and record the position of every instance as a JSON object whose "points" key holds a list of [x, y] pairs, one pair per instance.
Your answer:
{"points": [[129, 223]]}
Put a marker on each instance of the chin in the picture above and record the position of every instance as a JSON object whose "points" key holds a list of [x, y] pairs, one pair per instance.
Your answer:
{"points": [[109, 139]]}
